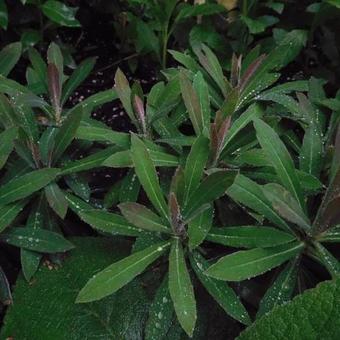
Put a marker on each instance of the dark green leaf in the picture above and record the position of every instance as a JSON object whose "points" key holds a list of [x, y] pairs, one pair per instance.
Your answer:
{"points": [[212, 187], [280, 159], [311, 152], [108, 222], [254, 111], [77, 77], [160, 313], [30, 261], [66, 133], [286, 205], [9, 212], [124, 93], [281, 290], [6, 144], [54, 88], [39, 65], [26, 185], [245, 264], [202, 90], [79, 185], [328, 260], [3, 15], [130, 187], [60, 13], [142, 217], [120, 273], [211, 64], [220, 291], [9, 56], [332, 235], [55, 57], [199, 227], [192, 104], [181, 289], [56, 199], [195, 165], [147, 175], [99, 134], [93, 161], [123, 159], [249, 236], [39, 240]]}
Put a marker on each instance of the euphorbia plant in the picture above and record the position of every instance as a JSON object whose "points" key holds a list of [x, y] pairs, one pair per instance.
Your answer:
{"points": [[231, 101], [42, 131], [287, 206], [179, 224]]}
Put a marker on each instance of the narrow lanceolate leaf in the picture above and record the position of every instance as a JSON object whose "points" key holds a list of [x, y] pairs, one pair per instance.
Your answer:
{"points": [[249, 263], [281, 290], [311, 152], [26, 185], [89, 162], [39, 240], [77, 77], [249, 236], [199, 227], [280, 159], [142, 217], [219, 290], [54, 88], [129, 188], [195, 165], [30, 260], [38, 65], [107, 222], [211, 64], [55, 56], [327, 259], [249, 72], [192, 103], [254, 111], [9, 212], [56, 199], [147, 175], [123, 159], [175, 215], [79, 185], [60, 13], [66, 133], [105, 135], [160, 313], [202, 90], [124, 93], [6, 144], [9, 56], [332, 235], [120, 273], [213, 187], [76, 204], [286, 205], [181, 289]]}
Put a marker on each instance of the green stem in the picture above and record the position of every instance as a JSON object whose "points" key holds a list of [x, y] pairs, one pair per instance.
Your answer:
{"points": [[165, 47], [245, 7]]}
